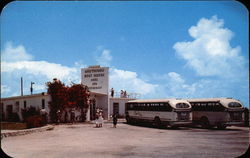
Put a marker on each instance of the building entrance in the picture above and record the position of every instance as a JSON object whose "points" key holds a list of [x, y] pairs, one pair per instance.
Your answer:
{"points": [[93, 109], [116, 108]]}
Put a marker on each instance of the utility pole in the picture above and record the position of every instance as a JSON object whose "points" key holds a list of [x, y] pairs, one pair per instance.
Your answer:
{"points": [[21, 86], [31, 88]]}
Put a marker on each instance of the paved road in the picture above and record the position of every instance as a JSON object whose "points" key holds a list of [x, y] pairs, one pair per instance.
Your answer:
{"points": [[83, 140]]}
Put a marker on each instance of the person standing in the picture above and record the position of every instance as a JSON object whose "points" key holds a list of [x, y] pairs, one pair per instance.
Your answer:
{"points": [[125, 94], [121, 94], [100, 120], [72, 115], [112, 92], [114, 120], [58, 116]]}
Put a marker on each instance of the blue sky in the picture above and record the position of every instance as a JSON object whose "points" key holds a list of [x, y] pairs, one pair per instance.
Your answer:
{"points": [[159, 49]]}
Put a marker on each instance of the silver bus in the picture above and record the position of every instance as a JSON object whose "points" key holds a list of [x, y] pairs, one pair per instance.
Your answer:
{"points": [[220, 112], [159, 112]]}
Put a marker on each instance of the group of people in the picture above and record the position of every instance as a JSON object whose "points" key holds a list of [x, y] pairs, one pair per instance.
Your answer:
{"points": [[99, 118], [59, 114], [123, 93]]}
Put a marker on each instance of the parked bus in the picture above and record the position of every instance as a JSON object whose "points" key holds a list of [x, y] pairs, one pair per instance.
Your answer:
{"points": [[220, 112], [160, 112]]}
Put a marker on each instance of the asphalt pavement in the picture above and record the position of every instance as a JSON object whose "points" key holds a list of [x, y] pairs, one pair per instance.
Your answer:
{"points": [[84, 140]]}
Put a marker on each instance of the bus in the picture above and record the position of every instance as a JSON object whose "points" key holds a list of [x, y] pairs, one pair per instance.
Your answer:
{"points": [[159, 112], [219, 112]]}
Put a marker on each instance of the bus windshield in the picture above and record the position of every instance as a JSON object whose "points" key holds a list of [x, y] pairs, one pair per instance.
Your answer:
{"points": [[182, 105], [234, 105]]}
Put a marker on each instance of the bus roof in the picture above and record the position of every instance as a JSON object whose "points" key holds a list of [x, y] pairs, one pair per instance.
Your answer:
{"points": [[223, 101], [171, 101]]}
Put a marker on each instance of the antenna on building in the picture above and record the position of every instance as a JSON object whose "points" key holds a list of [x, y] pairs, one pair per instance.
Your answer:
{"points": [[21, 86]]}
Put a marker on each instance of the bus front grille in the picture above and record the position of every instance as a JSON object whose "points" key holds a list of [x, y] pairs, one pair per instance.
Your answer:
{"points": [[236, 116], [183, 116]]}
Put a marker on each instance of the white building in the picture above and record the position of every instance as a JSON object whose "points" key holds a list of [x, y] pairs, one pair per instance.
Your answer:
{"points": [[95, 77], [12, 105]]}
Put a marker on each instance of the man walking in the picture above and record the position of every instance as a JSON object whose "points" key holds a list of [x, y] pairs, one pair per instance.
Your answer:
{"points": [[114, 120]]}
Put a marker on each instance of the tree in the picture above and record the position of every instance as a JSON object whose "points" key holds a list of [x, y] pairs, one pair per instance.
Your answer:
{"points": [[75, 96], [79, 97], [59, 97]]}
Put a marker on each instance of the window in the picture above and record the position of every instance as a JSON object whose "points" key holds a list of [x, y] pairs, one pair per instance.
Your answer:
{"points": [[182, 105], [207, 106], [116, 108], [24, 104], [234, 105], [43, 103]]}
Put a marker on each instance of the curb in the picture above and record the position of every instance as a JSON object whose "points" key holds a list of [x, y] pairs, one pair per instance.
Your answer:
{"points": [[26, 131]]}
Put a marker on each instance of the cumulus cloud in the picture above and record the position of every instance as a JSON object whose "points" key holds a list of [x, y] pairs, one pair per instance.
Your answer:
{"points": [[105, 58], [129, 81], [12, 54], [49, 70], [210, 53], [41, 72], [5, 89], [17, 62]]}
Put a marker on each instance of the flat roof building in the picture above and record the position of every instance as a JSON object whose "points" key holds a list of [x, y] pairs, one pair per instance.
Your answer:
{"points": [[95, 77]]}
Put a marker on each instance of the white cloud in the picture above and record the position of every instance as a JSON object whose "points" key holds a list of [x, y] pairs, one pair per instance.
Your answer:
{"points": [[49, 70], [12, 54], [5, 89], [105, 58], [129, 81], [17, 63], [210, 53]]}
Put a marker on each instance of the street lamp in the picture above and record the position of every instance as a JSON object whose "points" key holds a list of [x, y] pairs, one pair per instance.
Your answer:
{"points": [[31, 88]]}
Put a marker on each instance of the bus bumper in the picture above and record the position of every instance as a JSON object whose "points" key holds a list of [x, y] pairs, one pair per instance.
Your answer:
{"points": [[180, 123], [234, 123]]}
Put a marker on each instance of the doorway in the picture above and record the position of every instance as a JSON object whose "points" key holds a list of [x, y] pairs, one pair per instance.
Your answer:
{"points": [[116, 108]]}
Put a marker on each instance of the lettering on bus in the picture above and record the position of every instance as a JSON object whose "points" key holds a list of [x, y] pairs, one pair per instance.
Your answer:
{"points": [[149, 106]]}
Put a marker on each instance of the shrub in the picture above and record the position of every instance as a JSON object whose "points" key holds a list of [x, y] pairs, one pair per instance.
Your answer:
{"points": [[35, 121], [31, 111], [14, 117]]}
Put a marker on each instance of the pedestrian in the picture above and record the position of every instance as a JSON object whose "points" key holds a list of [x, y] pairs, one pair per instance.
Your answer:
{"points": [[100, 120], [121, 94], [125, 94], [114, 120], [72, 116], [58, 115], [65, 117], [112, 92]]}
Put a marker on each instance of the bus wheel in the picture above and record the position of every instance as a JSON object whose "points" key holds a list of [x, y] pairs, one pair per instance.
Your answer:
{"points": [[204, 122], [157, 122], [221, 126]]}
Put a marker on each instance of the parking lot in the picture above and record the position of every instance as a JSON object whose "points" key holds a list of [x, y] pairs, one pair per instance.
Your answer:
{"points": [[84, 140]]}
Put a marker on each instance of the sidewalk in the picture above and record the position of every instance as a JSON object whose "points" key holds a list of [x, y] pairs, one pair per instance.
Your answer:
{"points": [[118, 121], [8, 133]]}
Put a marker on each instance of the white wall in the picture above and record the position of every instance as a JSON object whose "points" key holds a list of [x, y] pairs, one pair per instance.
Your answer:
{"points": [[121, 102], [35, 101]]}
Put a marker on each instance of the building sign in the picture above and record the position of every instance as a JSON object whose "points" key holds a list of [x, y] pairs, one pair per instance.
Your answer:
{"points": [[96, 78]]}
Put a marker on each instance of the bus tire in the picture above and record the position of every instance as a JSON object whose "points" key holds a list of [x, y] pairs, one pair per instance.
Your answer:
{"points": [[221, 126], [157, 122], [204, 122], [128, 119]]}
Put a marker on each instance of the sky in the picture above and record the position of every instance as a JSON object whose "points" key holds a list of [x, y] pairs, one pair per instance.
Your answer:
{"points": [[163, 49]]}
